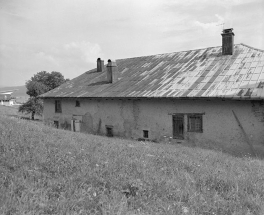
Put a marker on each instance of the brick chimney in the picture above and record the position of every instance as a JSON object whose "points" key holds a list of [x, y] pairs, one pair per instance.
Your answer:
{"points": [[111, 71], [100, 65], [228, 41]]}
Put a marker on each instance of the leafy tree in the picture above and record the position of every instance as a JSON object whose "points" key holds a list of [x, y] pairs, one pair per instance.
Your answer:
{"points": [[33, 105], [40, 83]]}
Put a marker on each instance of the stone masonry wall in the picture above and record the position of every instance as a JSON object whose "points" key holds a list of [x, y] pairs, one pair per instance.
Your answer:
{"points": [[129, 118]]}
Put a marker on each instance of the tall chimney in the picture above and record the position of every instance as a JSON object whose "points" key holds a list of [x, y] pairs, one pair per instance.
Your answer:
{"points": [[100, 65], [228, 41], [111, 71]]}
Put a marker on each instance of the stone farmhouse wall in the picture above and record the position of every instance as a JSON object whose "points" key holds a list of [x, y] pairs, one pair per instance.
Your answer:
{"points": [[129, 118]]}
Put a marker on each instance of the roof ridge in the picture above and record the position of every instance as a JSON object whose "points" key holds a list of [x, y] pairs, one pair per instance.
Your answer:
{"points": [[169, 52], [188, 51], [251, 47]]}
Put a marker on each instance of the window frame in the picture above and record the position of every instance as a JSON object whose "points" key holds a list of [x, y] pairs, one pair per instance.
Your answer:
{"points": [[58, 106], [77, 103], [198, 117]]}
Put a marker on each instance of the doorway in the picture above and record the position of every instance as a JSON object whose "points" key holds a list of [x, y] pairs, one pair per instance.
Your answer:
{"points": [[178, 128]]}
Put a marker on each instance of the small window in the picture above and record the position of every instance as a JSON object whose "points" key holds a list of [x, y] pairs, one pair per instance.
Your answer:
{"points": [[145, 134], [57, 106], [56, 124], [195, 123], [77, 104], [109, 131]]}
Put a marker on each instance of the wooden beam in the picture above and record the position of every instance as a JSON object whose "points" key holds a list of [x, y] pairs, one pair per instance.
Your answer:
{"points": [[186, 113]]}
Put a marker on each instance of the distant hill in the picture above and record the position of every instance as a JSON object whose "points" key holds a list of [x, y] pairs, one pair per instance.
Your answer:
{"points": [[19, 93], [20, 90]]}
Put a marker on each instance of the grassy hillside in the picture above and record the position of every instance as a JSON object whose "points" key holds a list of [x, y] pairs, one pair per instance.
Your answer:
{"points": [[12, 111], [44, 170]]}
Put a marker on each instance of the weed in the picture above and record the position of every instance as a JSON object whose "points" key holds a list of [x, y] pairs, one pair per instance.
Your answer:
{"points": [[44, 170]]}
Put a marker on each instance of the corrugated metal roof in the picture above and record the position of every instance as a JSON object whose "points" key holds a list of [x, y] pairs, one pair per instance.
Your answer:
{"points": [[201, 73]]}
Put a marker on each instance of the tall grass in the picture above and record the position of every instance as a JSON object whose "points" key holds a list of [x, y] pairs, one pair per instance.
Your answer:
{"points": [[48, 171]]}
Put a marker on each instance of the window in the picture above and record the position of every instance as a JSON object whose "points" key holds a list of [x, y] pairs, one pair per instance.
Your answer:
{"points": [[77, 104], [195, 123], [56, 124], [109, 131], [145, 134], [57, 106]]}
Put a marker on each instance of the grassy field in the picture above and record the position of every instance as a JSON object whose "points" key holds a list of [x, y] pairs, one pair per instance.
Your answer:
{"points": [[44, 170]]}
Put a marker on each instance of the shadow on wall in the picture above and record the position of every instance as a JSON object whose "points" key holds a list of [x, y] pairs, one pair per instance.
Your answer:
{"points": [[87, 124]]}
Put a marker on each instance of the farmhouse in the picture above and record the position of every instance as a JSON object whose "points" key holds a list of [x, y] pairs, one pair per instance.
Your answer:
{"points": [[211, 97], [6, 99]]}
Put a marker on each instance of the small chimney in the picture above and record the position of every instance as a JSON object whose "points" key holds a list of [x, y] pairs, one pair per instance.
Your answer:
{"points": [[228, 41], [111, 71], [100, 65]]}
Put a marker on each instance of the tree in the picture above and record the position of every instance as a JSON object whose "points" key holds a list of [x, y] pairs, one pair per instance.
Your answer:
{"points": [[33, 105], [40, 83]]}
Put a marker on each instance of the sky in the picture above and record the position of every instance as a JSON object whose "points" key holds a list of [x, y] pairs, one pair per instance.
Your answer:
{"points": [[69, 35]]}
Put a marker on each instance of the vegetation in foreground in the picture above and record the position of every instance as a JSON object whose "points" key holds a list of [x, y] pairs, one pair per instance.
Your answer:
{"points": [[48, 171]]}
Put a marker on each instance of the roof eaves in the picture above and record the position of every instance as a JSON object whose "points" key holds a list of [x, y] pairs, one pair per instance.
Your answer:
{"points": [[176, 98]]}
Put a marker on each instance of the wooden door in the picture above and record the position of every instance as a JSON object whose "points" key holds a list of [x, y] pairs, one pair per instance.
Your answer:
{"points": [[178, 127]]}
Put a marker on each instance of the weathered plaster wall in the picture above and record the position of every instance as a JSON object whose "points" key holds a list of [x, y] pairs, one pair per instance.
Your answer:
{"points": [[130, 117]]}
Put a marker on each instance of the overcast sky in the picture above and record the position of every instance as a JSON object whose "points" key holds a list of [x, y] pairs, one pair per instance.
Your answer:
{"points": [[69, 35]]}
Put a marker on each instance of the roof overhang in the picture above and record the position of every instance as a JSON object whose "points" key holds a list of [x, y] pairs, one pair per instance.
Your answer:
{"points": [[172, 98]]}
